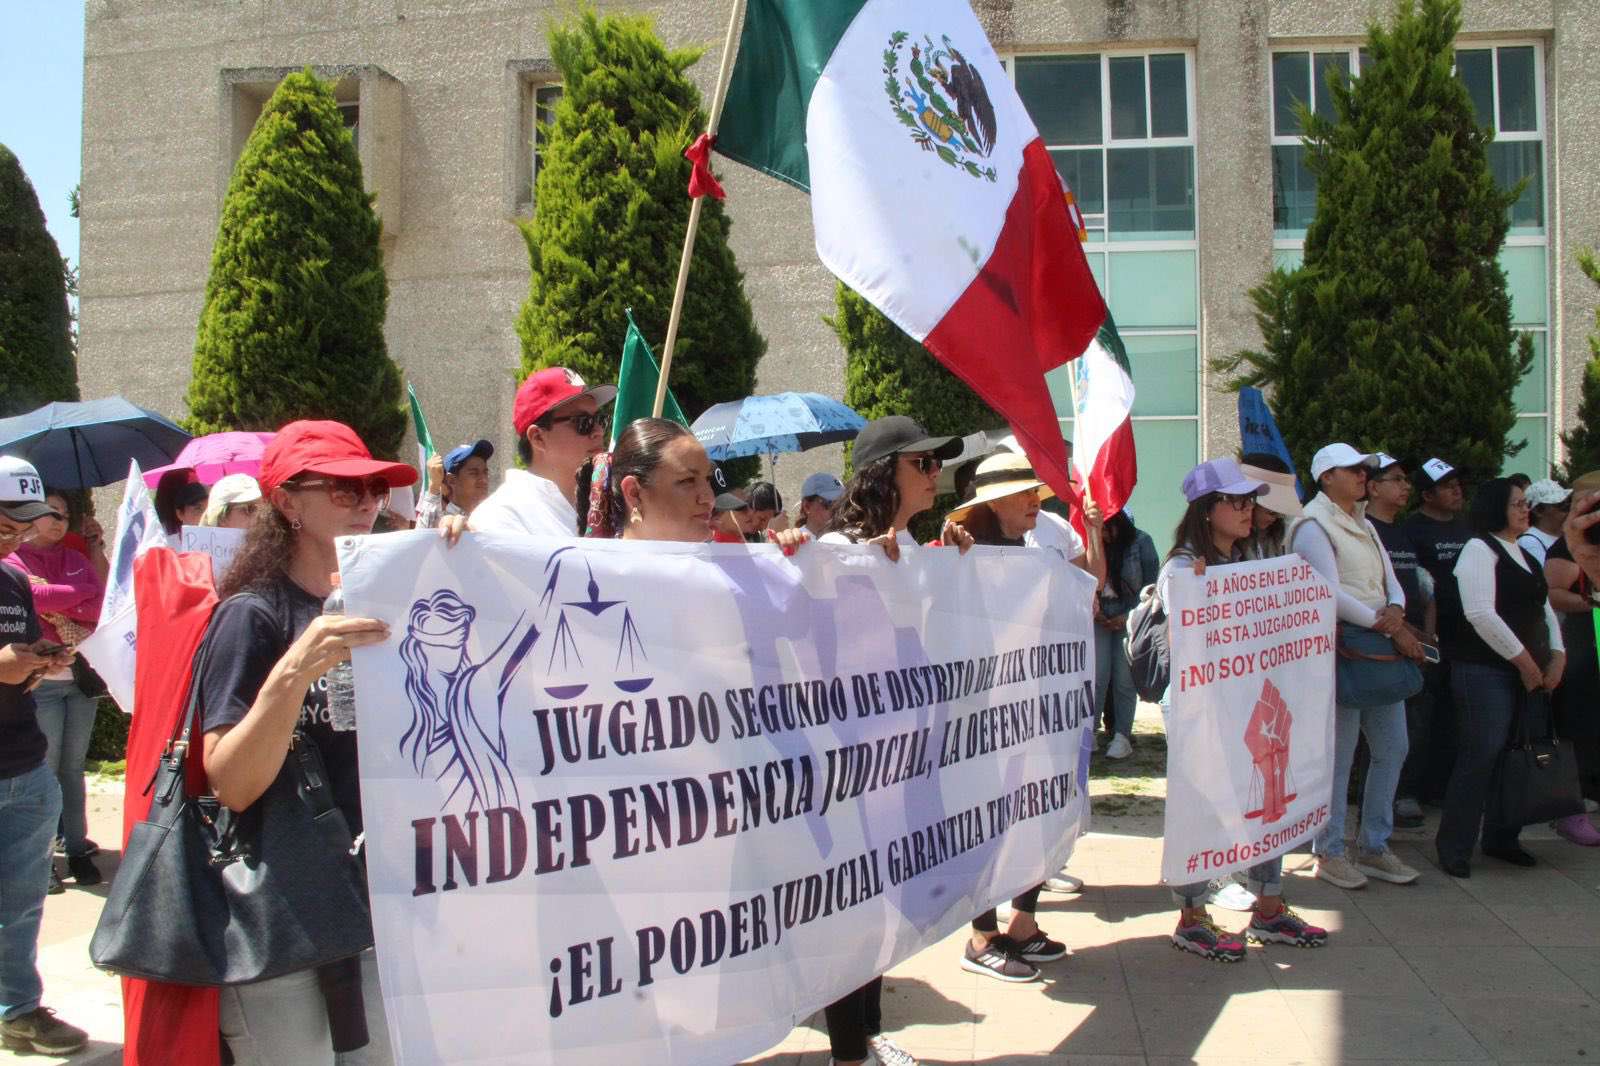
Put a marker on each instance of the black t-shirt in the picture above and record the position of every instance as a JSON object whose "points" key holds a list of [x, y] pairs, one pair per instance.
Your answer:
{"points": [[1438, 544], [1577, 627], [248, 635], [22, 743], [1403, 557]]}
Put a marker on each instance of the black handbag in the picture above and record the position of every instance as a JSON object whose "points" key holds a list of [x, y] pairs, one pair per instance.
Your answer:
{"points": [[1536, 779], [205, 896]]}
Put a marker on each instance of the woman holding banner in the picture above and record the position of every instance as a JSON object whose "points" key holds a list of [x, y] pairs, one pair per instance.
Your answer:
{"points": [[1002, 511], [1213, 532], [259, 689]]}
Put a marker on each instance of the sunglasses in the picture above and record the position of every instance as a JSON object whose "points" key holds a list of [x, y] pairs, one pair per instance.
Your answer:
{"points": [[925, 464], [252, 507], [348, 491], [1238, 503], [584, 423]]}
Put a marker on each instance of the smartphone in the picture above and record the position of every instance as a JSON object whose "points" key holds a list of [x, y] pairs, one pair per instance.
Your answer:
{"points": [[1430, 654], [50, 649]]}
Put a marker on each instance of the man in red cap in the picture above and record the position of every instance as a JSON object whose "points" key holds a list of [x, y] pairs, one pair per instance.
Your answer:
{"points": [[559, 426]]}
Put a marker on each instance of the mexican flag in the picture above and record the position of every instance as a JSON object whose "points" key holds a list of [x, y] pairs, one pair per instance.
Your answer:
{"points": [[1102, 433], [424, 438], [932, 194]]}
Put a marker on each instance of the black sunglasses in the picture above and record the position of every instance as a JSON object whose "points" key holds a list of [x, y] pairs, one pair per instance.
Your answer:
{"points": [[584, 423], [925, 464]]}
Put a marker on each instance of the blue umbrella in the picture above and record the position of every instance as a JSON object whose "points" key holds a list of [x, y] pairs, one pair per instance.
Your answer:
{"points": [[766, 425], [86, 445]]}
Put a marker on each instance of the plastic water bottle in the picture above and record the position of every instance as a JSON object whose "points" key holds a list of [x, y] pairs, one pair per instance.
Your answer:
{"points": [[341, 680]]}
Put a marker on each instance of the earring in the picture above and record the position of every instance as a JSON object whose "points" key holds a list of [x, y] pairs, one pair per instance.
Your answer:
{"points": [[295, 525], [635, 515]]}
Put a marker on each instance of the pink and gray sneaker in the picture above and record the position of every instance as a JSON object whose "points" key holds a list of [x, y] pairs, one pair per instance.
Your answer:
{"points": [[1208, 940], [1285, 927]]}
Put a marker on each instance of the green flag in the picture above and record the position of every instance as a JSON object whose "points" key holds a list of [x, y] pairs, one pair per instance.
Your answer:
{"points": [[636, 385], [424, 438]]}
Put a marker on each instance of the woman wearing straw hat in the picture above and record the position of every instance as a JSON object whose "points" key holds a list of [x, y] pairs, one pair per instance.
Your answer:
{"points": [[1003, 510]]}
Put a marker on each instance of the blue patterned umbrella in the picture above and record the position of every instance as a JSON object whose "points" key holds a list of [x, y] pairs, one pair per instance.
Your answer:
{"points": [[766, 425]]}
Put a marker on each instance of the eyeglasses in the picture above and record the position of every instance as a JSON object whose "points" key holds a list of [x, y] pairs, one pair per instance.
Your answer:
{"points": [[348, 491], [252, 507], [1238, 503], [925, 464], [585, 422], [1520, 505]]}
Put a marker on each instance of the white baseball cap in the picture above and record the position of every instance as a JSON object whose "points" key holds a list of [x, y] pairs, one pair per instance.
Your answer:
{"points": [[1545, 491], [21, 491], [1339, 455], [235, 488], [1435, 471]]}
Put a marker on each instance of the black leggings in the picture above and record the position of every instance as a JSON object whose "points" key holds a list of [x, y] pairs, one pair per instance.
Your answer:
{"points": [[988, 922], [854, 1018]]}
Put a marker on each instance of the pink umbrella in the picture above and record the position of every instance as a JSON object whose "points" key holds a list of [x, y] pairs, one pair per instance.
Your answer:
{"points": [[215, 456]]}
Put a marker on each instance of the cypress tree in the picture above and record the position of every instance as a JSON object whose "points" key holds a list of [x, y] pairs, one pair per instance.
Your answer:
{"points": [[293, 319], [886, 372], [37, 361], [610, 213], [1582, 441], [1396, 330]]}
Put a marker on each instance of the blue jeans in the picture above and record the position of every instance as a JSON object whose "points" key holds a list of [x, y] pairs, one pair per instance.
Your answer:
{"points": [[67, 717], [1385, 730], [1111, 665], [30, 805], [1487, 701], [1264, 879]]}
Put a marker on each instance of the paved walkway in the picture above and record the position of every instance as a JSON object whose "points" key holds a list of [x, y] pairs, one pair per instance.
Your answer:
{"points": [[1504, 967]]}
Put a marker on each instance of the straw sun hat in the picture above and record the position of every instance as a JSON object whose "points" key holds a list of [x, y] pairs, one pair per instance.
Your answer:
{"points": [[1002, 474]]}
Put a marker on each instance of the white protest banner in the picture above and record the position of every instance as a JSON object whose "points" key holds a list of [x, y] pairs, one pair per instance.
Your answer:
{"points": [[1250, 732], [650, 802], [221, 543], [110, 648]]}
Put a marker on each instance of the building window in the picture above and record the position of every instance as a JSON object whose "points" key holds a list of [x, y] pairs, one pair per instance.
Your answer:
{"points": [[1121, 130], [538, 93], [1506, 84]]}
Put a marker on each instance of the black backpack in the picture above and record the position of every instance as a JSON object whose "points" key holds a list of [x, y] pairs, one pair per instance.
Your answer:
{"points": [[1148, 652]]}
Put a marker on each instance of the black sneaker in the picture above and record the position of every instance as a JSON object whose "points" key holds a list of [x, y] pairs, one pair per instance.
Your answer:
{"points": [[39, 1031], [84, 871], [998, 959], [55, 888], [1513, 854], [1040, 948]]}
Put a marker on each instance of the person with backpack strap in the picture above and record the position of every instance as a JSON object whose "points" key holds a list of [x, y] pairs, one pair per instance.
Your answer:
{"points": [[1213, 532]]}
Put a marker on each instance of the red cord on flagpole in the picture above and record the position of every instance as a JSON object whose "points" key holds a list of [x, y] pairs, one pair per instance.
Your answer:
{"points": [[701, 181]]}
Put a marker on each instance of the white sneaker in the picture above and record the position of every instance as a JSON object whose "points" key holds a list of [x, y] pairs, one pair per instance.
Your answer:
{"points": [[886, 1052], [1232, 896], [1063, 882], [1119, 748], [1339, 870], [1590, 806]]}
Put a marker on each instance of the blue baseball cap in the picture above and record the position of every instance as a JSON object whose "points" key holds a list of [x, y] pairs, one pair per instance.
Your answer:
{"points": [[1219, 475], [455, 457]]}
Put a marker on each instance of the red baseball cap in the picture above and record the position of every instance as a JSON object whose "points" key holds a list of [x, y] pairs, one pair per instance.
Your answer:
{"points": [[328, 448], [550, 388]]}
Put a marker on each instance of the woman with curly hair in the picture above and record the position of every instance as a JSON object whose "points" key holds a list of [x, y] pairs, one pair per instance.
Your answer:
{"points": [[260, 687]]}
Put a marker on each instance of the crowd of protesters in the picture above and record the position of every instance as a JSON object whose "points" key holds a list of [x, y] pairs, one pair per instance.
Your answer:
{"points": [[1487, 600]]}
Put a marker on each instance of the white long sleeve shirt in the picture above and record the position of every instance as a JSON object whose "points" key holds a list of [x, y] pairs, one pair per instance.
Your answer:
{"points": [[1312, 542], [1474, 572]]}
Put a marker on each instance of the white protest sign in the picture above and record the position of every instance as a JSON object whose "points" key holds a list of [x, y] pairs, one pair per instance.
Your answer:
{"points": [[110, 649], [649, 802], [221, 543], [1250, 733]]}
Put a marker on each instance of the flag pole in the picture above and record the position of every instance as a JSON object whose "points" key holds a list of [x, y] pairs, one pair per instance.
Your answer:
{"points": [[724, 72], [1091, 539]]}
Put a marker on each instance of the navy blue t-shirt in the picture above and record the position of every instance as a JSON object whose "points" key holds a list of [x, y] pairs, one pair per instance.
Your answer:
{"points": [[22, 743]]}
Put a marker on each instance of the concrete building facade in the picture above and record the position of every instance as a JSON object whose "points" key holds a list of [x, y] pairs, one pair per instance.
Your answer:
{"points": [[1170, 118]]}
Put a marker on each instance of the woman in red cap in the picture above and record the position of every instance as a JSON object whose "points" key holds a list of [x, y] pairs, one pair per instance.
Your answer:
{"points": [[259, 685]]}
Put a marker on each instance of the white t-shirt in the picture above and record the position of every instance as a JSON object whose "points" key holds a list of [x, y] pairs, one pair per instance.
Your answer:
{"points": [[1053, 531], [903, 538], [1536, 542], [526, 503]]}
